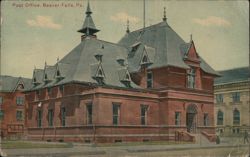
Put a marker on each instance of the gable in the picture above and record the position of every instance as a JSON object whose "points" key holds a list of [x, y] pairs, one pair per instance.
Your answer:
{"points": [[192, 54]]}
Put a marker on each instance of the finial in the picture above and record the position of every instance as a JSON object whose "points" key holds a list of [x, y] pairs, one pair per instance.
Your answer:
{"points": [[128, 31], [191, 37], [34, 67], [57, 60], [164, 14], [88, 11]]}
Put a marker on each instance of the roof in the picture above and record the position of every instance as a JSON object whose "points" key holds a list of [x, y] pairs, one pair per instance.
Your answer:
{"points": [[233, 75], [80, 64], [10, 83], [169, 47]]}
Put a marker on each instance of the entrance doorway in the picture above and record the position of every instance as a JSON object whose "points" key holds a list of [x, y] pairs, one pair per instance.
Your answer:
{"points": [[191, 118]]}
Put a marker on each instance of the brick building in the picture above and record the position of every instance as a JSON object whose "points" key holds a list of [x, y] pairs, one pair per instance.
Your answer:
{"points": [[12, 105], [232, 101], [146, 87]]}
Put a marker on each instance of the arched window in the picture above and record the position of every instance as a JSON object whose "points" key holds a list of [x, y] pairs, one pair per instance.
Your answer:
{"points": [[220, 118], [236, 117]]}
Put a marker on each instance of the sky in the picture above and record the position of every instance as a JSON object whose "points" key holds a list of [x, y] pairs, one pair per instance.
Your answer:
{"points": [[33, 32]]}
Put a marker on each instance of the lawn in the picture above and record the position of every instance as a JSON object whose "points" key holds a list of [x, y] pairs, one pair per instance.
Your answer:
{"points": [[141, 143], [31, 144]]}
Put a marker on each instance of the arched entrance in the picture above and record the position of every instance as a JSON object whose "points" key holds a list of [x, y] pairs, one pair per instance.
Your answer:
{"points": [[191, 118]]}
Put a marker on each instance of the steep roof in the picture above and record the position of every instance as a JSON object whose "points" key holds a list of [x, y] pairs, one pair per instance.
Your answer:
{"points": [[233, 75], [78, 64], [10, 83], [169, 46]]}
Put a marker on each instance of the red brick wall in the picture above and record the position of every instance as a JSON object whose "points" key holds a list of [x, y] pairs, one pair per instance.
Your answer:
{"points": [[10, 108]]}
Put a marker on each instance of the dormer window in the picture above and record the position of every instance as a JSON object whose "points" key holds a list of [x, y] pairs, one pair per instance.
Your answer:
{"points": [[58, 73], [191, 78]]}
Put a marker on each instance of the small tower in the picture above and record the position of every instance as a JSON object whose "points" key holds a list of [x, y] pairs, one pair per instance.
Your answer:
{"points": [[164, 15], [88, 28]]}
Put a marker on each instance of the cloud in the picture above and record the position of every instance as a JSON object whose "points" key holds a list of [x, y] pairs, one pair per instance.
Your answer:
{"points": [[44, 22], [123, 17], [212, 21]]}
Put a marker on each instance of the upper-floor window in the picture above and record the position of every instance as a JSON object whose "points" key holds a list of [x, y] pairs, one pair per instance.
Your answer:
{"points": [[19, 100], [191, 78], [39, 118], [50, 117], [61, 88], [236, 97], [144, 110], [19, 115], [206, 119], [177, 118], [1, 100], [89, 113], [149, 79], [63, 114], [220, 118], [116, 114], [1, 114], [219, 98], [236, 117], [49, 90]]}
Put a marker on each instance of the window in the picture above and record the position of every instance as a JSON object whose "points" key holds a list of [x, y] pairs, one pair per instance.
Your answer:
{"points": [[177, 118], [49, 90], [116, 114], [149, 79], [236, 97], [19, 100], [144, 110], [1, 114], [191, 78], [206, 120], [61, 88], [1, 100], [236, 117], [63, 114], [39, 118], [50, 117], [220, 118], [38, 92], [89, 114], [19, 115], [219, 98]]}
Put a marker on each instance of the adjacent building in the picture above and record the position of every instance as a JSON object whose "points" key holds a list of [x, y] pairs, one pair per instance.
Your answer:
{"points": [[232, 109], [12, 105], [148, 86]]}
